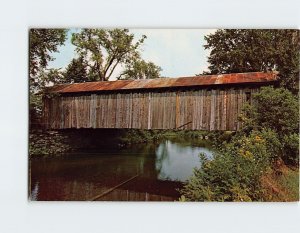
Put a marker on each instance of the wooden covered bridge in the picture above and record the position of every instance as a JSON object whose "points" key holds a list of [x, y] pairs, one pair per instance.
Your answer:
{"points": [[207, 102]]}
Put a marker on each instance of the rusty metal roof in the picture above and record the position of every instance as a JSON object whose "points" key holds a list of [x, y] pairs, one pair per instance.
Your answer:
{"points": [[202, 80]]}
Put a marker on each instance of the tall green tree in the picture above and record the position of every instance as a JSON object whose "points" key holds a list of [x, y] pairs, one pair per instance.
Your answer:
{"points": [[104, 50], [244, 50], [43, 42], [76, 71]]}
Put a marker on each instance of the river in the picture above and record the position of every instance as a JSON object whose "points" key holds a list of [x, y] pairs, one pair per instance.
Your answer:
{"points": [[155, 172]]}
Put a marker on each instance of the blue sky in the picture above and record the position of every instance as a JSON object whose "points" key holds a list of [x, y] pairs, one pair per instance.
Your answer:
{"points": [[179, 52]]}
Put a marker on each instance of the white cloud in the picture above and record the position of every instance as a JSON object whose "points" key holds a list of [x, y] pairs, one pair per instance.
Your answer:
{"points": [[179, 52]]}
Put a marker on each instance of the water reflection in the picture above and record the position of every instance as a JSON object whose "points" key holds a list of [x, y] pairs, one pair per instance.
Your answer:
{"points": [[176, 162], [161, 168]]}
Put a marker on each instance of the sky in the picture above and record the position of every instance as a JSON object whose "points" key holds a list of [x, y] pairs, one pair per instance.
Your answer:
{"points": [[179, 52]]}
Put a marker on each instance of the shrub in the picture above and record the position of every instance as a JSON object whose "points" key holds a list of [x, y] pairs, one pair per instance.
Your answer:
{"points": [[134, 136], [291, 148], [274, 108], [273, 144], [277, 110], [43, 144], [234, 173]]}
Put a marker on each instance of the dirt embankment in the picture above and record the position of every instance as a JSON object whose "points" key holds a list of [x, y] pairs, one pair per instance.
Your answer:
{"points": [[282, 184]]}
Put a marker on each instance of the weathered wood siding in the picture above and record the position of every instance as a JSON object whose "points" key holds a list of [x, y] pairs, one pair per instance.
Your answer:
{"points": [[203, 109]]}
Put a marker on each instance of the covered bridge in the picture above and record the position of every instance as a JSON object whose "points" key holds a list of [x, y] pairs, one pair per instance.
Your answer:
{"points": [[207, 102]]}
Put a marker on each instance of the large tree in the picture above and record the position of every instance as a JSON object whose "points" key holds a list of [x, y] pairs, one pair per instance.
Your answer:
{"points": [[244, 50], [104, 50]]}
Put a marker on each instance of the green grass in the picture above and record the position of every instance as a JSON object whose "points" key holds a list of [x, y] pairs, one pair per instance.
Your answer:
{"points": [[290, 182]]}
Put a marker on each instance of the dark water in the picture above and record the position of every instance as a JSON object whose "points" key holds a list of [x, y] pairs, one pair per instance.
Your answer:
{"points": [[156, 171]]}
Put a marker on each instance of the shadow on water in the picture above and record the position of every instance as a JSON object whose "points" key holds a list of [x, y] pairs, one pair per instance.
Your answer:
{"points": [[161, 169]]}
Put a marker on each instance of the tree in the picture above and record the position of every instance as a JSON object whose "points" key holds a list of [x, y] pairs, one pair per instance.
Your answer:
{"points": [[241, 50], [76, 71], [41, 43], [104, 50], [140, 69]]}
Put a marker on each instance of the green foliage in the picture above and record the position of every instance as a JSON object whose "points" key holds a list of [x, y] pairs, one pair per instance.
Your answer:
{"points": [[273, 143], [77, 71], [233, 174], [276, 109], [45, 77], [43, 144], [41, 43], [104, 49], [36, 90], [291, 148], [135, 136], [140, 69], [244, 50], [212, 138]]}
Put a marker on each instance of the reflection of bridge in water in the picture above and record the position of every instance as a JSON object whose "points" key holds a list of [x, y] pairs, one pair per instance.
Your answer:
{"points": [[127, 195]]}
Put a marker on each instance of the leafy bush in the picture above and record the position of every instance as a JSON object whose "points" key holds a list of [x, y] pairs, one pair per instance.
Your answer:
{"points": [[291, 148], [277, 110], [234, 173], [43, 144], [274, 108], [273, 144], [134, 136]]}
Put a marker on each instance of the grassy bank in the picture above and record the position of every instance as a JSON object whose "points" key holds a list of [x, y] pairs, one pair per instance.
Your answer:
{"points": [[281, 184]]}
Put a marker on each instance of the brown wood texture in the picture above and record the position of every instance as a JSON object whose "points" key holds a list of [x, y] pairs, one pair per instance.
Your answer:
{"points": [[204, 109]]}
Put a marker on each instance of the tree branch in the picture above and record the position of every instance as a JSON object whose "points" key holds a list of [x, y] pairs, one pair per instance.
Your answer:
{"points": [[113, 68]]}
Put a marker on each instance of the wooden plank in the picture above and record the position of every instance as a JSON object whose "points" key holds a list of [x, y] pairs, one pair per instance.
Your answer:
{"points": [[208, 103], [212, 110], [236, 109], [224, 120], [177, 113], [227, 109], [149, 111], [217, 117], [232, 116], [201, 99]]}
